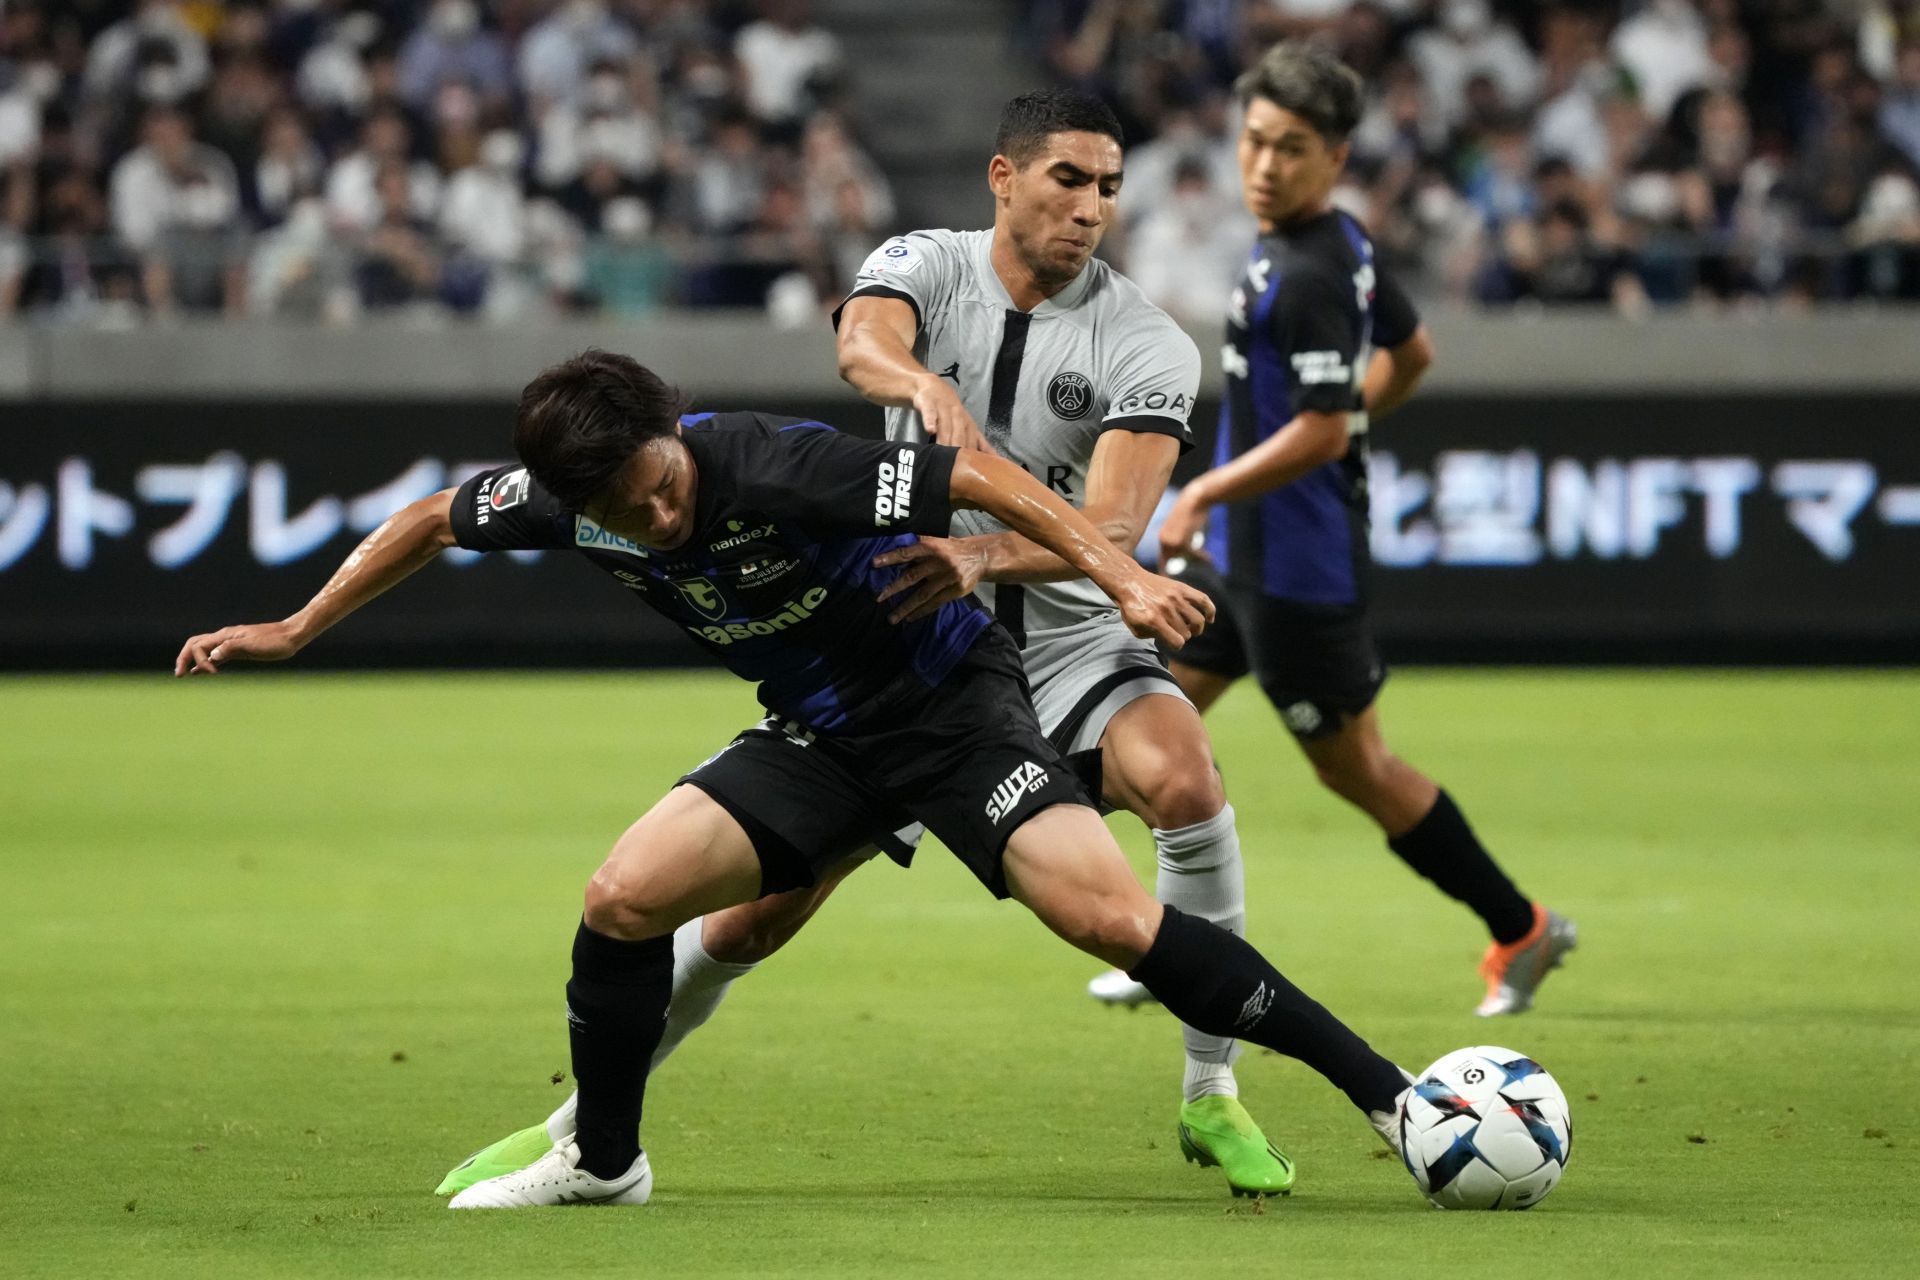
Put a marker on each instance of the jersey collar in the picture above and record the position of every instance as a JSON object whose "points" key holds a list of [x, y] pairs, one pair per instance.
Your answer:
{"points": [[1065, 300]]}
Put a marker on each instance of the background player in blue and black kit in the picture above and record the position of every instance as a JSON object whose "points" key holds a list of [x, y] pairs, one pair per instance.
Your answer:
{"points": [[759, 535], [1318, 341]]}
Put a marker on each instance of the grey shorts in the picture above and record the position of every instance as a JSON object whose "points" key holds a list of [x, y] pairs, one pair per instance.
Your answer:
{"points": [[1081, 676]]}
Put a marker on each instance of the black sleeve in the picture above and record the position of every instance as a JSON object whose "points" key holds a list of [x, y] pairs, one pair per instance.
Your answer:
{"points": [[1316, 330], [841, 484], [1394, 317], [504, 510]]}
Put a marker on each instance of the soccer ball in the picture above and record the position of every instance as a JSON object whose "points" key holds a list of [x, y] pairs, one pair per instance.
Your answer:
{"points": [[1485, 1128]]}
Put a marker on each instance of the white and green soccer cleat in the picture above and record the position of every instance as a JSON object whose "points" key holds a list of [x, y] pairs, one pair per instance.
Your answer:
{"points": [[1216, 1131], [555, 1179], [514, 1152]]}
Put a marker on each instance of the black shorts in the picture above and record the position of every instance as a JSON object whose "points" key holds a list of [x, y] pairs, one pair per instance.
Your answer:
{"points": [[970, 763], [1318, 669]]}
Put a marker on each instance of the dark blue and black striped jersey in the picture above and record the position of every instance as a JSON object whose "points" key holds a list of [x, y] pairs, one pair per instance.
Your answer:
{"points": [[776, 579], [1301, 325]]}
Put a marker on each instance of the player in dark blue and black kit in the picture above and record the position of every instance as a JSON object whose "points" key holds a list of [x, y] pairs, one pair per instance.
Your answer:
{"points": [[758, 535], [1320, 341]]}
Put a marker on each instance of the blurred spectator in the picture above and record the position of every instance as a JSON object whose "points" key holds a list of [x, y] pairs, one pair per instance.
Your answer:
{"points": [[606, 121], [848, 201], [1202, 132], [290, 169], [154, 55], [451, 44], [730, 179], [1576, 79], [626, 270], [1555, 260], [784, 58], [1470, 43], [78, 272], [484, 212], [1663, 47], [1900, 105], [1885, 238], [353, 200], [398, 263], [176, 205], [333, 74], [558, 51], [1187, 253]]}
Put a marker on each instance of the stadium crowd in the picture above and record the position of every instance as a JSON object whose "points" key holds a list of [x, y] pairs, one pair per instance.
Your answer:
{"points": [[1626, 152], [329, 158]]}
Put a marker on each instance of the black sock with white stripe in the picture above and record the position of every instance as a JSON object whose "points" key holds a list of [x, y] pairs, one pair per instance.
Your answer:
{"points": [[616, 1011], [1218, 983]]}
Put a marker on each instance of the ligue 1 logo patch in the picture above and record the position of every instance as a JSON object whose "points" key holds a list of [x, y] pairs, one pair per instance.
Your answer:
{"points": [[510, 490], [1070, 396]]}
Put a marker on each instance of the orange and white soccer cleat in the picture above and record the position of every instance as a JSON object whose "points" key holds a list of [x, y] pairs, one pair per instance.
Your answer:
{"points": [[1515, 971]]}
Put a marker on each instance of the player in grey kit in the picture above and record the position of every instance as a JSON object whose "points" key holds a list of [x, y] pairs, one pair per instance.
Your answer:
{"points": [[1017, 341]]}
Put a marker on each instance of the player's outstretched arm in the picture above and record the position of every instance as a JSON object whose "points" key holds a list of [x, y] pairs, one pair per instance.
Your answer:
{"points": [[410, 538], [875, 350], [1128, 474], [1152, 606], [1311, 440]]}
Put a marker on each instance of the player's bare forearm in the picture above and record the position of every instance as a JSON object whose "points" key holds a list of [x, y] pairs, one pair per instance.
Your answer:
{"points": [[1011, 496], [1311, 440], [1150, 605], [1127, 474], [1395, 372], [1013, 558], [877, 364], [875, 351], [409, 539], [875, 348]]}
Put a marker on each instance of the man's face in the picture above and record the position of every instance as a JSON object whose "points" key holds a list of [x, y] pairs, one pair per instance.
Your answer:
{"points": [[651, 501], [1287, 169], [1057, 206]]}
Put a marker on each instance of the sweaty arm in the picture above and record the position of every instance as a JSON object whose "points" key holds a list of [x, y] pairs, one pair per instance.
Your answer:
{"points": [[1128, 473], [410, 538], [1151, 606]]}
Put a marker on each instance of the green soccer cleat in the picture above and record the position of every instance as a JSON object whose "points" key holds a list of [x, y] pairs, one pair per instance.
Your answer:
{"points": [[1217, 1131], [514, 1152]]}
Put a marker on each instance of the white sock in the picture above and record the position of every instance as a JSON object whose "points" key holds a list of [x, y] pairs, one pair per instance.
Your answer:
{"points": [[1200, 873], [1205, 1079], [699, 985]]}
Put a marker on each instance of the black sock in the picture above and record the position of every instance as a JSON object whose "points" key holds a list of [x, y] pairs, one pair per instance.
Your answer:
{"points": [[1443, 848], [616, 1010], [1217, 983]]}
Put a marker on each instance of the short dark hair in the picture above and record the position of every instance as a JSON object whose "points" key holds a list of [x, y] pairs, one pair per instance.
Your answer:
{"points": [[1030, 119], [1308, 81], [582, 419]]}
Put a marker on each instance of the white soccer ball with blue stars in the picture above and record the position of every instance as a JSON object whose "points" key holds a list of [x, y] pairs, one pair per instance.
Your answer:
{"points": [[1485, 1128]]}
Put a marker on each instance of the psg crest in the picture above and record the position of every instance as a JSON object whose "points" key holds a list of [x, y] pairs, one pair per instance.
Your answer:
{"points": [[1070, 395]]}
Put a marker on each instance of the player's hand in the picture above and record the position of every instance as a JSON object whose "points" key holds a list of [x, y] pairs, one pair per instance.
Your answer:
{"points": [[1184, 530], [946, 417], [936, 571], [1157, 608], [255, 642]]}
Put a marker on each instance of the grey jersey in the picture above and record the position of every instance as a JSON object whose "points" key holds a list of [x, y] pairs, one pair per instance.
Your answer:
{"points": [[1043, 385]]}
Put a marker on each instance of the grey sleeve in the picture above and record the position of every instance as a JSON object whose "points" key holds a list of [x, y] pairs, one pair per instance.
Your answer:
{"points": [[1154, 381], [920, 268]]}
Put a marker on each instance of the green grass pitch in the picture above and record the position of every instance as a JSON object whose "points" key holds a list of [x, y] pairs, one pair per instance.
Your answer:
{"points": [[278, 951]]}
